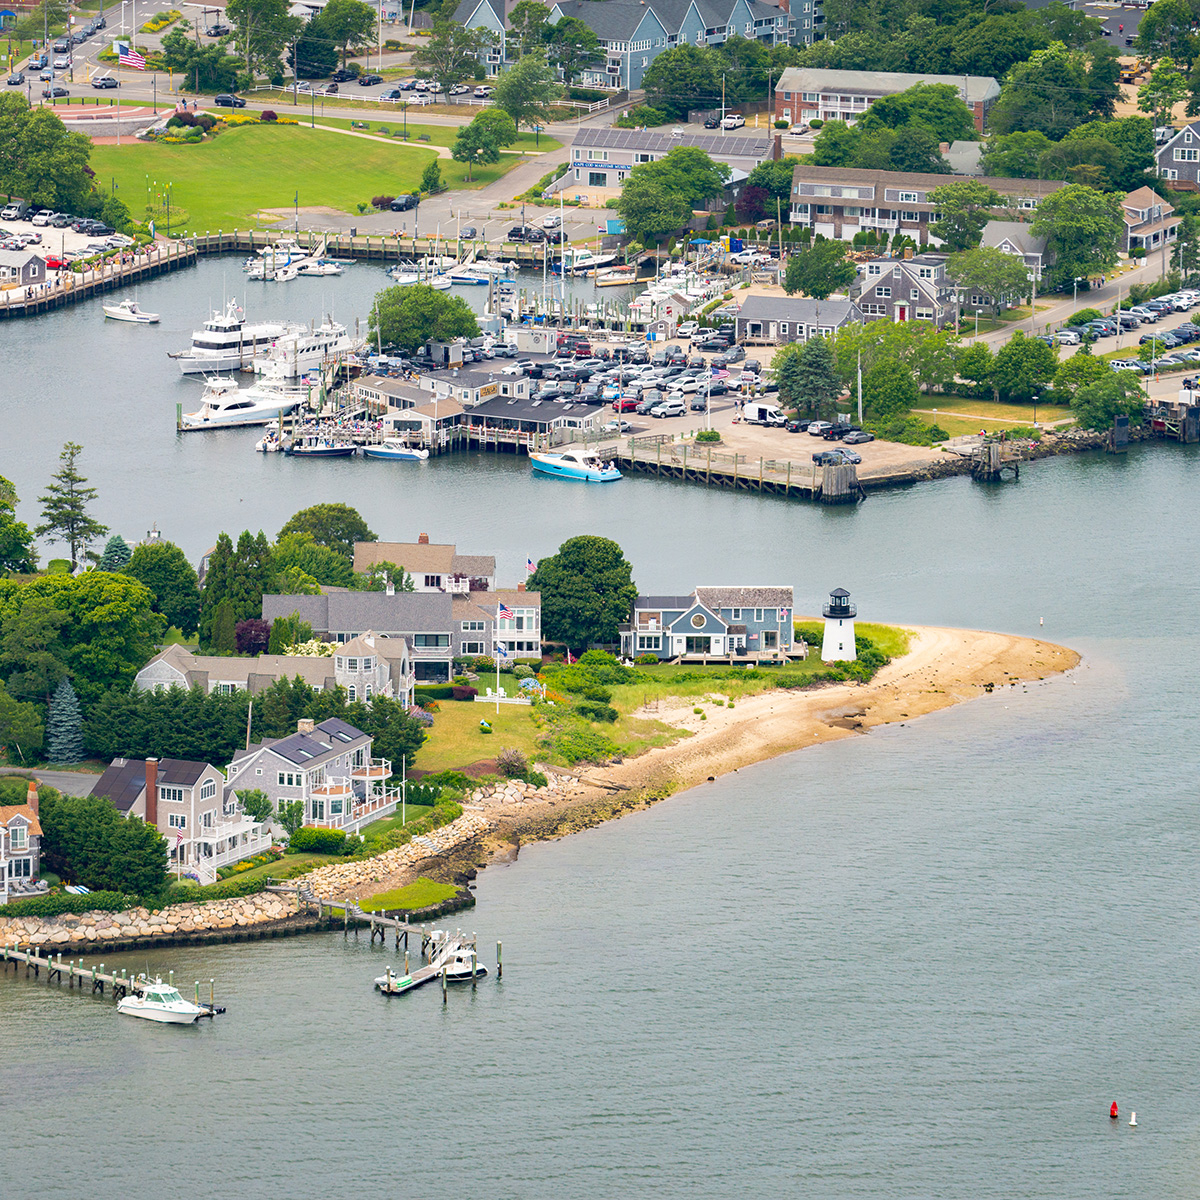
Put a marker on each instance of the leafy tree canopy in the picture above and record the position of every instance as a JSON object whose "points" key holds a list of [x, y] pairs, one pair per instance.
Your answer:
{"points": [[411, 316], [337, 526], [1083, 229], [1120, 393], [40, 159], [587, 591], [819, 271], [165, 570], [526, 90], [683, 78], [17, 552], [965, 207], [938, 107]]}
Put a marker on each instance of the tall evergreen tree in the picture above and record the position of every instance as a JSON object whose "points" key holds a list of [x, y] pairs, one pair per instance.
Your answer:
{"points": [[64, 726], [249, 575], [224, 629], [64, 507], [116, 554], [216, 583]]}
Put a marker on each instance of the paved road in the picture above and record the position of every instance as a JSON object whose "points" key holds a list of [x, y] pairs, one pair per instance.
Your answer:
{"points": [[74, 783]]}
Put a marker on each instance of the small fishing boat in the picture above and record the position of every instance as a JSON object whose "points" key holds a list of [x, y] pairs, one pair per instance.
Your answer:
{"points": [[315, 446], [128, 310], [320, 266], [616, 276], [270, 444], [160, 1002], [584, 465], [287, 273], [396, 448]]}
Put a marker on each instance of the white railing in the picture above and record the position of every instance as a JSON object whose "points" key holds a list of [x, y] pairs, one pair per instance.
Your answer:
{"points": [[206, 865], [878, 222]]}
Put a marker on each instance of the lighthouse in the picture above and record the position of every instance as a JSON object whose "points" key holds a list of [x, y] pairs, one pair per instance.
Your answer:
{"points": [[838, 643]]}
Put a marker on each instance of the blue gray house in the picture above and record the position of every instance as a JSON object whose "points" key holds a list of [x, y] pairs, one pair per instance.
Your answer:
{"points": [[491, 15], [731, 624]]}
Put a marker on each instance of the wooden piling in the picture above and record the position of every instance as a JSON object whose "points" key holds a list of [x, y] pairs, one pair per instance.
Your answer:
{"points": [[499, 960]]}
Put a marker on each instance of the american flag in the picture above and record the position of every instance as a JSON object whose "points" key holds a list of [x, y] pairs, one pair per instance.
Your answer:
{"points": [[129, 57], [529, 566], [501, 650], [505, 613], [178, 838]]}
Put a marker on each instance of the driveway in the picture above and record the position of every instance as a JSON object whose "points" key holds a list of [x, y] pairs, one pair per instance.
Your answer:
{"points": [[73, 783]]}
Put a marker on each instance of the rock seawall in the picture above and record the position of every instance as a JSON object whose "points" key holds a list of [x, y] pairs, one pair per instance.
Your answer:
{"points": [[138, 923]]}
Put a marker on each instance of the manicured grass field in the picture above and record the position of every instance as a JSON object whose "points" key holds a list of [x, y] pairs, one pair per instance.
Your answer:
{"points": [[439, 135], [457, 741], [221, 184], [287, 867], [421, 893], [965, 426], [994, 414], [413, 812]]}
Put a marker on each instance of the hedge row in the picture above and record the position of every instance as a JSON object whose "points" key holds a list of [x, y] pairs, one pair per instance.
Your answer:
{"points": [[57, 906], [318, 841]]}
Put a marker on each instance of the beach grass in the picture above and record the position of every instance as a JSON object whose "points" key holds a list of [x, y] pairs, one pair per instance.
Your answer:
{"points": [[421, 893], [222, 184]]}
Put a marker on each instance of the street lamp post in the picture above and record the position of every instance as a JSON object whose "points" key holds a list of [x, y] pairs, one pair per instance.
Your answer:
{"points": [[1035, 400], [977, 312]]}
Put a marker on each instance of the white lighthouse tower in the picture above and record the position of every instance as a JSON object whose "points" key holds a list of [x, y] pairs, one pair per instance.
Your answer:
{"points": [[838, 643]]}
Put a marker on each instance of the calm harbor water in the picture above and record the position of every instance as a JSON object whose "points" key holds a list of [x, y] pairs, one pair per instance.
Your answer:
{"points": [[919, 963]]}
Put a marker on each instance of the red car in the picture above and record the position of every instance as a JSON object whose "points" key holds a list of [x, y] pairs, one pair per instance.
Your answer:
{"points": [[626, 404], [54, 263]]}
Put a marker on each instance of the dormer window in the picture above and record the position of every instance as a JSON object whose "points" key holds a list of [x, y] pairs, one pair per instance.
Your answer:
{"points": [[18, 837]]}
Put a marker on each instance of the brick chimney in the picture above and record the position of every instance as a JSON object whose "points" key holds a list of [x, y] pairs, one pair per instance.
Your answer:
{"points": [[31, 797], [520, 587], [422, 539], [152, 791], [305, 725]]}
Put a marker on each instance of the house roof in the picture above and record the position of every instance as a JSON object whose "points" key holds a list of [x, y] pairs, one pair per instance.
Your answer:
{"points": [[1193, 128], [1138, 201], [979, 88], [8, 811], [744, 597], [1034, 189], [482, 605], [964, 157], [307, 749], [394, 389], [405, 612], [609, 20], [441, 410], [1018, 234], [17, 258], [467, 9], [730, 145], [423, 558], [526, 408], [799, 309], [252, 673], [124, 779]]}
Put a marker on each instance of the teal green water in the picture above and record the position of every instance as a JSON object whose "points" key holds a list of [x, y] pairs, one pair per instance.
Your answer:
{"points": [[917, 963]]}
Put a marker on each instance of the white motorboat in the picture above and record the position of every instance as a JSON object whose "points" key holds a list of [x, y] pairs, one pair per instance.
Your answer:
{"points": [[286, 273], [404, 278], [581, 262], [270, 443], [397, 449], [160, 1002], [583, 465], [128, 310], [256, 269], [458, 967], [320, 266], [224, 405], [226, 342], [301, 350], [284, 248]]}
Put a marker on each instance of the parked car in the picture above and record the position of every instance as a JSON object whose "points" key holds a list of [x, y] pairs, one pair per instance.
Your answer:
{"points": [[218, 30], [733, 121], [817, 428], [369, 80], [42, 217], [688, 329], [552, 221], [460, 89], [330, 87], [404, 202], [1067, 338], [482, 92], [626, 404], [712, 123], [798, 426], [343, 75], [826, 457], [105, 83], [394, 93], [226, 100], [669, 408], [699, 402], [851, 456], [857, 437], [714, 343], [61, 220], [518, 233]]}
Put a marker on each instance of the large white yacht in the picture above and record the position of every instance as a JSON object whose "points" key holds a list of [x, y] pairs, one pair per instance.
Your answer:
{"points": [[300, 350], [226, 342], [226, 406]]}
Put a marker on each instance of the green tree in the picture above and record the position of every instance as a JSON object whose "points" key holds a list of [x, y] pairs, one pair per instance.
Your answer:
{"points": [[249, 576], [210, 68], [313, 54], [431, 179], [396, 734], [64, 725], [299, 550], [16, 539], [1119, 394], [934, 357], [965, 208], [649, 210], [21, 729], [990, 272], [807, 375], [116, 554], [264, 30], [1166, 31], [337, 526], [1083, 230], [1133, 140], [936, 107], [819, 271], [216, 583], [526, 89], [528, 21], [587, 591], [975, 363], [256, 804], [224, 629], [378, 576], [1165, 88], [497, 124], [1186, 255], [291, 815], [1078, 371], [1015, 155], [165, 570], [40, 159], [292, 581], [1024, 365], [683, 78], [889, 391], [411, 316], [571, 45], [688, 172], [288, 631], [774, 176], [1055, 90], [1093, 162], [475, 145], [451, 53], [31, 652], [347, 23], [65, 514]]}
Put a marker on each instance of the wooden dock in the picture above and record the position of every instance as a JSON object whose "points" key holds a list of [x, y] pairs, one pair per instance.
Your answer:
{"points": [[94, 977]]}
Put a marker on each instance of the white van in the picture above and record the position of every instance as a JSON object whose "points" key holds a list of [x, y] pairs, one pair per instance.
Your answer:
{"points": [[757, 413]]}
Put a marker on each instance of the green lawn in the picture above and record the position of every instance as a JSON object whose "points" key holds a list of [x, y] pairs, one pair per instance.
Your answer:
{"points": [[287, 867], [457, 741], [419, 894], [221, 184], [439, 135], [965, 426], [992, 412]]}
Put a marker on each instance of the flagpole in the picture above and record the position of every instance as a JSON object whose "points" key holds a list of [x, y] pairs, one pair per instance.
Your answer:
{"points": [[496, 653]]}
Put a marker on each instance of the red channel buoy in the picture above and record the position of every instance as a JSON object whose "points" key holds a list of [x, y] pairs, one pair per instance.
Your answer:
{"points": [[1112, 1112]]}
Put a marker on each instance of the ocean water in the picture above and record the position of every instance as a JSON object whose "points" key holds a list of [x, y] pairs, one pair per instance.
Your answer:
{"points": [[916, 963]]}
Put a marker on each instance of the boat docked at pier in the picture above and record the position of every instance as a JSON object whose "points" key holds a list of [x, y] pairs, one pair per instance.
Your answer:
{"points": [[583, 465], [396, 449], [223, 405], [160, 1002], [581, 262], [319, 446], [300, 349], [227, 343]]}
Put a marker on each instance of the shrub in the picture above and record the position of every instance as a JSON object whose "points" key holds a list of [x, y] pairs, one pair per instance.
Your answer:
{"points": [[536, 779], [381, 201], [577, 742], [451, 781], [483, 663], [268, 115], [317, 841], [56, 906], [434, 691], [595, 710], [1138, 252], [431, 706], [646, 660], [708, 435], [587, 95], [512, 763], [815, 123], [521, 671], [205, 121], [464, 693], [180, 118], [422, 718]]}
